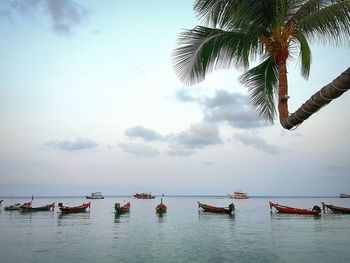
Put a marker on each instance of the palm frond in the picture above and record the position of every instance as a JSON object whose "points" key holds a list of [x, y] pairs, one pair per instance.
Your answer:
{"points": [[262, 82], [203, 49], [235, 14], [329, 24], [305, 54]]}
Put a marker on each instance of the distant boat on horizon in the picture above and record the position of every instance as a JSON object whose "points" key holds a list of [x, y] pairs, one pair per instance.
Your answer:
{"points": [[344, 196], [144, 196], [238, 195], [95, 195]]}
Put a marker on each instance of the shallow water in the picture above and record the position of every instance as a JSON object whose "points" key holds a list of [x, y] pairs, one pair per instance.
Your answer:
{"points": [[183, 234]]}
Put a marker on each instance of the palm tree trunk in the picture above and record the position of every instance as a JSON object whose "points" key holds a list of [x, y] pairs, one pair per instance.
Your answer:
{"points": [[282, 91], [321, 98]]}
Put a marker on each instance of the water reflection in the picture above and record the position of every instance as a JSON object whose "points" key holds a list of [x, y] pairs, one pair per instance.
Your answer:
{"points": [[161, 217], [66, 219], [121, 218]]}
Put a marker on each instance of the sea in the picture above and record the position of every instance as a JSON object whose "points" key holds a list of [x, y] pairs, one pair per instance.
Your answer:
{"points": [[183, 234]]}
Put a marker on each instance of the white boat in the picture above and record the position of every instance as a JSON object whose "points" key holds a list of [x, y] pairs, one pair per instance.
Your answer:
{"points": [[95, 195], [344, 196], [238, 195]]}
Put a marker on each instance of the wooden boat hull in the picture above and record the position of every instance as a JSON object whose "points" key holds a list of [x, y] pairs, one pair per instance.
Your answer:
{"points": [[75, 209], [282, 209], [336, 209], [15, 207], [48, 207], [122, 210], [161, 208], [217, 210]]}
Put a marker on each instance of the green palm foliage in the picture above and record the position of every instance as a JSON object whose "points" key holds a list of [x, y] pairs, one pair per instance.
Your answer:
{"points": [[236, 33]]}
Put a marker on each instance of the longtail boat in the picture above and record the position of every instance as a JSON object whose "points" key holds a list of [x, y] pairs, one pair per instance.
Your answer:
{"points": [[316, 210], [336, 209], [47, 207], [161, 208], [214, 209], [1, 201], [144, 196], [18, 206], [73, 209], [122, 209]]}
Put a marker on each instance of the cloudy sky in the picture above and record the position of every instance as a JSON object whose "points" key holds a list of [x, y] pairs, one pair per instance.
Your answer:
{"points": [[89, 101]]}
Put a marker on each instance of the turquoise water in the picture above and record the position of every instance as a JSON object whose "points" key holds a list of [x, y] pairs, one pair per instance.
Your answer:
{"points": [[182, 235]]}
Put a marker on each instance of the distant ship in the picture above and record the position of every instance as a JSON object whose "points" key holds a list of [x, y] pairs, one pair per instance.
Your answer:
{"points": [[95, 195], [144, 196], [344, 196], [238, 195]]}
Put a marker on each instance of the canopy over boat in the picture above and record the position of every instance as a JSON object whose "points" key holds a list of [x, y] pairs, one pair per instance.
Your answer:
{"points": [[161, 208], [316, 210], [336, 209], [73, 209], [214, 209], [122, 209]]}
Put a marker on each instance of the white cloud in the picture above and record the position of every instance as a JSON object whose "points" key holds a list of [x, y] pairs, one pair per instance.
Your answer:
{"points": [[143, 133], [257, 142], [139, 149], [74, 145]]}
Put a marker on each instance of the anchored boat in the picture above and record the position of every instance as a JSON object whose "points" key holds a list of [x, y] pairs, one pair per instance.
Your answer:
{"points": [[47, 207], [316, 210], [95, 195], [122, 209], [161, 208], [238, 195], [73, 209], [336, 209], [144, 196], [214, 209]]}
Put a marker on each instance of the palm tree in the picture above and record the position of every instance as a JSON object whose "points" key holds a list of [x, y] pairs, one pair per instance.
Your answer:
{"points": [[236, 32]]}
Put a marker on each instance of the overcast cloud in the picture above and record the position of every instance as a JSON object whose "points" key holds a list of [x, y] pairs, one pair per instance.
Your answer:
{"points": [[138, 149], [257, 142], [74, 145], [143, 133], [225, 107], [63, 14]]}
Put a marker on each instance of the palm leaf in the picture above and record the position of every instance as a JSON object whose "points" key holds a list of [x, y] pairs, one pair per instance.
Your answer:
{"points": [[262, 82], [235, 14], [203, 49], [305, 54], [328, 24]]}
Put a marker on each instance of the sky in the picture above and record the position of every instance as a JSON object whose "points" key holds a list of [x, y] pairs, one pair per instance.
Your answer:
{"points": [[89, 101]]}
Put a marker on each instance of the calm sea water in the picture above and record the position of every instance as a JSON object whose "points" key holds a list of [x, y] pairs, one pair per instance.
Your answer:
{"points": [[182, 235]]}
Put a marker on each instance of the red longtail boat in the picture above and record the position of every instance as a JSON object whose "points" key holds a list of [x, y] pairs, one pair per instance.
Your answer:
{"points": [[316, 210], [144, 196], [161, 208], [336, 209], [122, 209], [214, 209], [73, 209]]}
